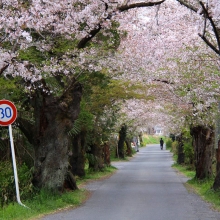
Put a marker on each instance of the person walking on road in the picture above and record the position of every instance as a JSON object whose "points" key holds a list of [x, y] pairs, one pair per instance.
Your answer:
{"points": [[161, 143]]}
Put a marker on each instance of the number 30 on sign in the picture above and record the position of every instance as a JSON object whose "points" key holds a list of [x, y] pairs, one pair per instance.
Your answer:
{"points": [[8, 113]]}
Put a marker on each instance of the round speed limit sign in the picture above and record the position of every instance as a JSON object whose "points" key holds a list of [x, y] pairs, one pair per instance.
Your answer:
{"points": [[8, 113]]}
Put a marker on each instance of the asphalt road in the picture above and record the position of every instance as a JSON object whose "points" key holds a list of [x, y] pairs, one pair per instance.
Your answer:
{"points": [[145, 188]]}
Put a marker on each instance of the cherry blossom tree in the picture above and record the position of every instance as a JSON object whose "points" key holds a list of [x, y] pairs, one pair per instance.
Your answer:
{"points": [[210, 20], [49, 44], [155, 59], [46, 44]]}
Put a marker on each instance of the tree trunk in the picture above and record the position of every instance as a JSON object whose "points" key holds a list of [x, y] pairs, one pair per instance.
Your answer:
{"points": [[54, 117], [180, 150], [129, 148], [77, 159], [106, 154], [141, 138], [122, 137], [203, 142], [95, 157], [216, 184]]}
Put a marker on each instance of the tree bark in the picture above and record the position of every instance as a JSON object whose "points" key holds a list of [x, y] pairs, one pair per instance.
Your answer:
{"points": [[203, 142], [141, 138], [106, 154], [216, 184], [122, 137], [180, 150], [54, 117], [129, 149], [95, 157], [78, 158]]}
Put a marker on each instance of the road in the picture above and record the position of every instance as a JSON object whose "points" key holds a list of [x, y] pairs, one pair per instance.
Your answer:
{"points": [[144, 188]]}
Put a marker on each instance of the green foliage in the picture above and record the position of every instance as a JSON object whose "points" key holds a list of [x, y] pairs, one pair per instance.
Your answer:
{"points": [[108, 39], [7, 185], [174, 147], [188, 152], [76, 128], [188, 147], [53, 85], [84, 122], [36, 57], [92, 159], [11, 89], [32, 54], [62, 45], [7, 45], [169, 144]]}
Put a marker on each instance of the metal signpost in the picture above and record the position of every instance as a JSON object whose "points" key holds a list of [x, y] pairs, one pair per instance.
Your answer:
{"points": [[8, 114]]}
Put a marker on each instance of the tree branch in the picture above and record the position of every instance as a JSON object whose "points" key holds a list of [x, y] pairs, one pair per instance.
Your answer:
{"points": [[209, 44], [188, 5], [91, 35], [4, 68], [163, 81], [122, 8], [214, 29], [139, 5]]}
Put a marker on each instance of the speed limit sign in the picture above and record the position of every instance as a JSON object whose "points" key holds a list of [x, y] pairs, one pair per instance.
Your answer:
{"points": [[8, 112]]}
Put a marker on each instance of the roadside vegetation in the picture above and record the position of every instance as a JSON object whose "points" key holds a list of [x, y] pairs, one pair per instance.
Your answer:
{"points": [[152, 139], [45, 202], [204, 187]]}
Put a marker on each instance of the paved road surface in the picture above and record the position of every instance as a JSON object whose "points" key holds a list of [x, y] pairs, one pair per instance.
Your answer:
{"points": [[145, 188]]}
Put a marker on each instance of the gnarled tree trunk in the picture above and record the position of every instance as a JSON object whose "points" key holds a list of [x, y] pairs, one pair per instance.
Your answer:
{"points": [[54, 117], [203, 142]]}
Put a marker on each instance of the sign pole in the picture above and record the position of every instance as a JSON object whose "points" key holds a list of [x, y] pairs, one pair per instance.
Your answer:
{"points": [[15, 167], [8, 114], [14, 164]]}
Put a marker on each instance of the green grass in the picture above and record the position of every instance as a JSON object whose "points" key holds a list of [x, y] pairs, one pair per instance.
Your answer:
{"points": [[43, 203], [91, 175], [47, 202], [113, 159], [201, 187], [187, 171], [204, 189], [152, 139]]}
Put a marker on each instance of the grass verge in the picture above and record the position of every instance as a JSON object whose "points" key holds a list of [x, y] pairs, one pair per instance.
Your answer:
{"points": [[201, 187], [47, 202], [152, 139]]}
